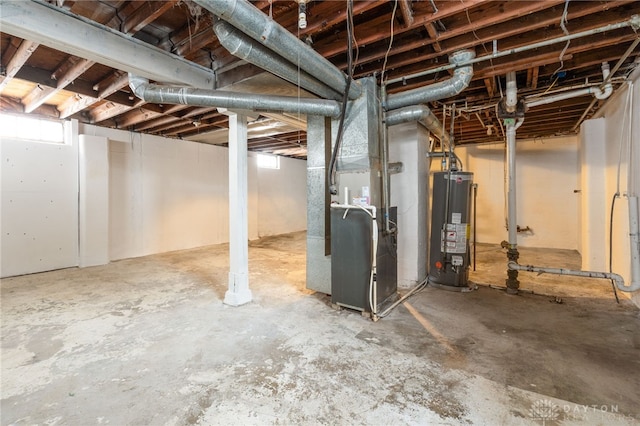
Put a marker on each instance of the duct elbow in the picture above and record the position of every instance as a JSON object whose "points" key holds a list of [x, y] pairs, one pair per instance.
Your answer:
{"points": [[441, 90], [138, 85], [461, 79]]}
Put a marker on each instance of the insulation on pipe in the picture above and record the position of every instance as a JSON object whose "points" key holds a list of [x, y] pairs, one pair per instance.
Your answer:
{"points": [[221, 99]]}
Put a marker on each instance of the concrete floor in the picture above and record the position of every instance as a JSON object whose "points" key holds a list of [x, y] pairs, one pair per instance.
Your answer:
{"points": [[148, 341]]}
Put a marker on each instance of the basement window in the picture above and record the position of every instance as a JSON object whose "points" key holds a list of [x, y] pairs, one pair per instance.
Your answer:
{"points": [[268, 161], [33, 129]]}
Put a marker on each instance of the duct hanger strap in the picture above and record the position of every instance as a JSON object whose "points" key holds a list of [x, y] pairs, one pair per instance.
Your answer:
{"points": [[222, 99]]}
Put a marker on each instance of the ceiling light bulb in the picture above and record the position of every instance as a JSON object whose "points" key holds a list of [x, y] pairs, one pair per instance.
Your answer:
{"points": [[302, 15]]}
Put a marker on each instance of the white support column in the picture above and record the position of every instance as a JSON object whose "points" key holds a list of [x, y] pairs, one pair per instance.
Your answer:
{"points": [[238, 292]]}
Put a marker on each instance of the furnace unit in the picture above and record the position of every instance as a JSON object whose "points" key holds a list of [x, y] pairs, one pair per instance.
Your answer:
{"points": [[356, 237]]}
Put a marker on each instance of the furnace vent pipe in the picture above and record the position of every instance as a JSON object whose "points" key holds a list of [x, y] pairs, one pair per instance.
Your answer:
{"points": [[221, 99], [433, 92], [595, 91], [246, 48], [424, 115], [252, 22]]}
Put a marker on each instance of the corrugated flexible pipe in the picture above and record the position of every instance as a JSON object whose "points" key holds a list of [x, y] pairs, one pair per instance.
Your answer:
{"points": [[244, 47], [217, 98], [252, 22]]}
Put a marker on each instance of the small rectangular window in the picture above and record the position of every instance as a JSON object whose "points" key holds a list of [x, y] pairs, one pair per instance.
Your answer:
{"points": [[268, 161], [33, 129]]}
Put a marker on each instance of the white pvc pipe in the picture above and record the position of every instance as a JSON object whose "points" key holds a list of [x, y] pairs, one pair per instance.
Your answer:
{"points": [[561, 271], [595, 91]]}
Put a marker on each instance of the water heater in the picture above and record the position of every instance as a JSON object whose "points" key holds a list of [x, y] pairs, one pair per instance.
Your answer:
{"points": [[449, 254]]}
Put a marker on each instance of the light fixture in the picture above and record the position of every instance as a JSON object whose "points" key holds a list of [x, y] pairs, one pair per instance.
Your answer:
{"points": [[302, 14]]}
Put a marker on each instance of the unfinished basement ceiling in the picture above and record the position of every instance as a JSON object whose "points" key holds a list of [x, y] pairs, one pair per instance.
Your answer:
{"points": [[46, 82]]}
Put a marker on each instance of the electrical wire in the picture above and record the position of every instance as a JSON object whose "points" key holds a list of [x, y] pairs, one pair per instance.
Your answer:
{"points": [[386, 55], [334, 155], [563, 21]]}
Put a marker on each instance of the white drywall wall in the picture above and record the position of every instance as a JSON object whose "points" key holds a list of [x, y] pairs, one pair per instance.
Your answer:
{"points": [[615, 133], [282, 198], [94, 200], [548, 173], [39, 196], [594, 211], [167, 194]]}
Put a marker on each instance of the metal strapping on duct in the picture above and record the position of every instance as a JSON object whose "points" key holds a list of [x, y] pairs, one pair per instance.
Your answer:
{"points": [[217, 98], [246, 48], [251, 21]]}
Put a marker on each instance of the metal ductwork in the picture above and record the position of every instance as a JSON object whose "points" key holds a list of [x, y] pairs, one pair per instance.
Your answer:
{"points": [[252, 22], [62, 30], [444, 89], [221, 99], [246, 48], [424, 115]]}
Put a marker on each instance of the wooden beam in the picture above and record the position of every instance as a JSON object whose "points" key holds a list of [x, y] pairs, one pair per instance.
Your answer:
{"points": [[109, 110], [433, 33], [490, 85], [378, 29], [73, 68], [16, 62], [533, 82], [145, 14], [407, 12]]}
